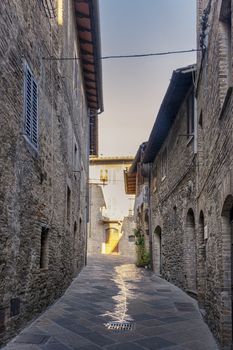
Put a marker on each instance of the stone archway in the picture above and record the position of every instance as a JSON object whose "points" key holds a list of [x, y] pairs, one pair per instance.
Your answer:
{"points": [[190, 252], [158, 250], [201, 259], [112, 240], [227, 260]]}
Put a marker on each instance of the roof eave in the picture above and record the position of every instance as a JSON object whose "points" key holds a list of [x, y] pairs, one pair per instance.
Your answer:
{"points": [[137, 158], [88, 29], [165, 117]]}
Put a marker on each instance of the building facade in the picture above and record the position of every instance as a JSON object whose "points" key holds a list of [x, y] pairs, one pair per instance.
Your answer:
{"points": [[191, 186], [111, 225], [46, 105], [214, 217], [171, 153], [137, 183]]}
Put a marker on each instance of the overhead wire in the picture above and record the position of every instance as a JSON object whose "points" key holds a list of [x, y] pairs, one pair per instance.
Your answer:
{"points": [[149, 54], [126, 56]]}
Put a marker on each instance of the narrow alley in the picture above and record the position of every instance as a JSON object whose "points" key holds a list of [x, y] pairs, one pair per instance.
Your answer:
{"points": [[111, 290], [116, 175]]}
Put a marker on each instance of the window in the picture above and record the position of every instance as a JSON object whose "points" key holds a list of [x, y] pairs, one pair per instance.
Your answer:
{"points": [[190, 115], [44, 249], [75, 157], [201, 120], [14, 307], [75, 239], [154, 180], [200, 140], [75, 73], [30, 107], [68, 204], [154, 186], [164, 164]]}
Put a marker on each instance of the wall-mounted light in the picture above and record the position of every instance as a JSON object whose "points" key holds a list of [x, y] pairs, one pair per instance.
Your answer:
{"points": [[60, 12], [104, 176]]}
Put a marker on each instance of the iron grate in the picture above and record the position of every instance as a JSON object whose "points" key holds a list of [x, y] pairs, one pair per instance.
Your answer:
{"points": [[120, 326]]}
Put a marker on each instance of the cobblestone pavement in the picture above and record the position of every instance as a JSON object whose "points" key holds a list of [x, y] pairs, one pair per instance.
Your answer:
{"points": [[112, 289]]}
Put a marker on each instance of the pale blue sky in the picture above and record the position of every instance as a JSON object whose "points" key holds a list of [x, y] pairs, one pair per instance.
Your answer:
{"points": [[134, 88]]}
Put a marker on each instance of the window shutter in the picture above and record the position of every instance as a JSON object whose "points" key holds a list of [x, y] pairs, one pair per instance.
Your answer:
{"points": [[31, 107], [34, 114], [28, 103]]}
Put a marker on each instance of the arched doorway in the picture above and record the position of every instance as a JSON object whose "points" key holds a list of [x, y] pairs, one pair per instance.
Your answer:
{"points": [[158, 250], [112, 240], [190, 252], [227, 258], [201, 259]]}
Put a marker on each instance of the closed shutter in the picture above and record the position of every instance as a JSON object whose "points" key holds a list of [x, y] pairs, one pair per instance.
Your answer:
{"points": [[34, 114], [31, 107], [28, 105]]}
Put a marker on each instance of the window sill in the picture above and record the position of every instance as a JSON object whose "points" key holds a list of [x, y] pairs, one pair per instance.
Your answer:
{"points": [[226, 100], [31, 148], [43, 269], [190, 140]]}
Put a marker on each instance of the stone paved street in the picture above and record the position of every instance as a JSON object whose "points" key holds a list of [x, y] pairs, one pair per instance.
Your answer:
{"points": [[113, 289]]}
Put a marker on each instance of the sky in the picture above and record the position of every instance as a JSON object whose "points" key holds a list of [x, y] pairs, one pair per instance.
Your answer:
{"points": [[133, 88]]}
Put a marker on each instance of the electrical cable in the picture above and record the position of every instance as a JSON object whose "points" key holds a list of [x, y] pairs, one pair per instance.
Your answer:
{"points": [[149, 54], [126, 56]]}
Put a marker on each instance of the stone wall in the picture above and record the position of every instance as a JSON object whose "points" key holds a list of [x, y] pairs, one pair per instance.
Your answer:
{"points": [[34, 186], [127, 242], [215, 174], [192, 207], [96, 231], [172, 206]]}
